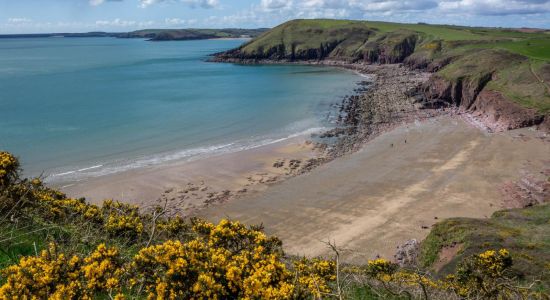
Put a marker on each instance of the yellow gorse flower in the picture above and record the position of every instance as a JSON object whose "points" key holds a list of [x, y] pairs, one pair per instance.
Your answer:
{"points": [[8, 168], [53, 276], [227, 260]]}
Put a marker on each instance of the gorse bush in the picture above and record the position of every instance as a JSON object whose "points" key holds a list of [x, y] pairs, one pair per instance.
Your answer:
{"points": [[215, 264], [485, 275], [8, 168], [315, 276], [116, 251], [226, 261], [53, 275]]}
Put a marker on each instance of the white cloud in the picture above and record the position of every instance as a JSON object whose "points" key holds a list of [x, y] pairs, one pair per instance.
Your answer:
{"points": [[177, 22], [99, 2], [207, 4], [96, 2], [357, 8], [496, 8], [267, 13], [174, 21], [202, 3], [116, 22], [275, 4], [19, 20], [145, 3]]}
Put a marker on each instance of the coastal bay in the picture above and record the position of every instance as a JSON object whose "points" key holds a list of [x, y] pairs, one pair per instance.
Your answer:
{"points": [[321, 158]]}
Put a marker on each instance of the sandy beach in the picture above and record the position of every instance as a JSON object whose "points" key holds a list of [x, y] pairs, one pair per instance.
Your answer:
{"points": [[394, 189], [192, 185]]}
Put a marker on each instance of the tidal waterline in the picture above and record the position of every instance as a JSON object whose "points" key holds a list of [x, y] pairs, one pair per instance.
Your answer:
{"points": [[74, 108]]}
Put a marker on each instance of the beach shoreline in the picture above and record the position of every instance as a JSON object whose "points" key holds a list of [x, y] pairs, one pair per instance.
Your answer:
{"points": [[193, 185], [347, 136]]}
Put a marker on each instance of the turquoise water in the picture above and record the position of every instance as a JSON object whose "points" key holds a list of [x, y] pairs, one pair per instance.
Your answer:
{"points": [[72, 108]]}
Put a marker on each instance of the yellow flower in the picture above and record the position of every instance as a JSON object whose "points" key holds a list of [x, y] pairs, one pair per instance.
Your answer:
{"points": [[9, 166]]}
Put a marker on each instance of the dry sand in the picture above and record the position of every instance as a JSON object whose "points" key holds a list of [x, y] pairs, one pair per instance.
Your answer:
{"points": [[393, 189]]}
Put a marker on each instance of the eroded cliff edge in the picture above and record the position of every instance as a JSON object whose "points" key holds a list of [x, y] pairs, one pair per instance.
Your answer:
{"points": [[483, 71]]}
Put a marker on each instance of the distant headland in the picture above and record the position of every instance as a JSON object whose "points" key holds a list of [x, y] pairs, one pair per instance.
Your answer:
{"points": [[155, 34]]}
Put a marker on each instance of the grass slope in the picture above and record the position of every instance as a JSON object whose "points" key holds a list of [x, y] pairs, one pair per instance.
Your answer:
{"points": [[310, 33], [525, 232]]}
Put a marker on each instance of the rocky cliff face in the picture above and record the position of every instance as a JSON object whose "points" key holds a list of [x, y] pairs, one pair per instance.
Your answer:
{"points": [[461, 92], [464, 82], [297, 44], [504, 114], [281, 52], [492, 107], [391, 48], [347, 45]]}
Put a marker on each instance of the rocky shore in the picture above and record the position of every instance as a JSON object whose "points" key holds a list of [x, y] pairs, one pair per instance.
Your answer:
{"points": [[385, 99], [388, 97], [400, 93]]}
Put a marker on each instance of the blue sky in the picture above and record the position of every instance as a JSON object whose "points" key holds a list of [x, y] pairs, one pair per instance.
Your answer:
{"points": [[35, 16]]}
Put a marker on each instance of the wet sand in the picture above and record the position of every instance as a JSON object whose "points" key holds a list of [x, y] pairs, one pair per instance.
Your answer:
{"points": [[393, 189], [193, 185]]}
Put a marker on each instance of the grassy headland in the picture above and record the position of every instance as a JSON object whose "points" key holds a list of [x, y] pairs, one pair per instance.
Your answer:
{"points": [[156, 34], [191, 34], [501, 74]]}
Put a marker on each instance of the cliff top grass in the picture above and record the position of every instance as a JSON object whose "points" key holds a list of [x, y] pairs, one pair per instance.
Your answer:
{"points": [[306, 34], [531, 44], [536, 48]]}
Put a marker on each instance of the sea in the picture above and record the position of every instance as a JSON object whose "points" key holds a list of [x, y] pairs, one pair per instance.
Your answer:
{"points": [[76, 108]]}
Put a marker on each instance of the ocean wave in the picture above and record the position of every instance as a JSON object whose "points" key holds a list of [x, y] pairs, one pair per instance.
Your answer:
{"points": [[368, 76], [108, 168]]}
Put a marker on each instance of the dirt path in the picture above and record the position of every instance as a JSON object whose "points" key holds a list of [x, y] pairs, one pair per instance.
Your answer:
{"points": [[539, 78], [392, 190]]}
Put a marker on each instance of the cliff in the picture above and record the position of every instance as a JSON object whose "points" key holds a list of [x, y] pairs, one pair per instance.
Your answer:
{"points": [[501, 76]]}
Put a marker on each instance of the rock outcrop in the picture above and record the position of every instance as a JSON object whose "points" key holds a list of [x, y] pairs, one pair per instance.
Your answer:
{"points": [[465, 84], [503, 114], [390, 48], [407, 254]]}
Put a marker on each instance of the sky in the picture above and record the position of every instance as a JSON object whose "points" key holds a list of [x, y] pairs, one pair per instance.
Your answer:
{"points": [[41, 16]]}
